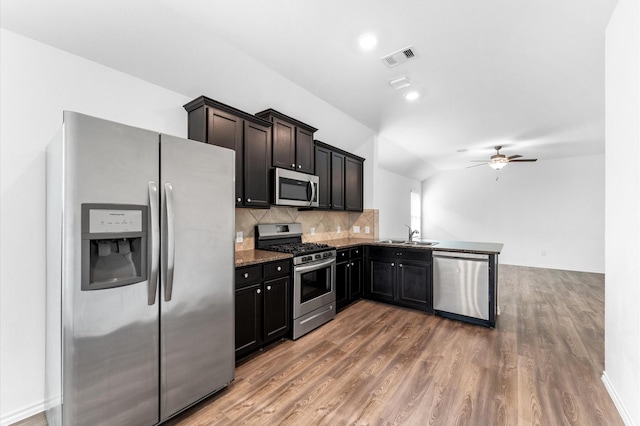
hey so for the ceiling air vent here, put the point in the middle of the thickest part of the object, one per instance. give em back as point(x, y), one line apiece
point(399, 57)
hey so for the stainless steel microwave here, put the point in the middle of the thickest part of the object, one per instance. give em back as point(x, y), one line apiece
point(295, 189)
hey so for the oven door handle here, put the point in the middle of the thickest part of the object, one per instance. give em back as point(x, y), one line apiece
point(314, 266)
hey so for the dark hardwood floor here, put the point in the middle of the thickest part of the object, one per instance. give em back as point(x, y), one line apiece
point(383, 365)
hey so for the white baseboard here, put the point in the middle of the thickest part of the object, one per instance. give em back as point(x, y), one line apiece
point(626, 418)
point(10, 418)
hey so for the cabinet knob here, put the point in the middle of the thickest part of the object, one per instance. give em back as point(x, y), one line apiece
point(279, 268)
point(299, 166)
point(239, 199)
point(357, 251)
point(393, 264)
point(246, 275)
point(268, 287)
point(258, 291)
point(293, 165)
point(347, 265)
point(400, 265)
point(353, 264)
point(248, 200)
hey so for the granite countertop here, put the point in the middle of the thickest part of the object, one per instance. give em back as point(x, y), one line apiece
point(348, 242)
point(253, 257)
point(459, 246)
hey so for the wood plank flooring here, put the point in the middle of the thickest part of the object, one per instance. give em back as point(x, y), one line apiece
point(382, 365)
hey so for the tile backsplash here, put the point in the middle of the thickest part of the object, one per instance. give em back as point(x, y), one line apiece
point(325, 223)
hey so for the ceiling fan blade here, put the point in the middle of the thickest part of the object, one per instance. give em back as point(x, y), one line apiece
point(524, 160)
point(513, 156)
point(478, 161)
point(476, 165)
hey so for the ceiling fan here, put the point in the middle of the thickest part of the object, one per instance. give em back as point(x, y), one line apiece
point(498, 161)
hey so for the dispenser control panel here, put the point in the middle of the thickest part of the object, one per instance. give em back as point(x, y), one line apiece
point(114, 221)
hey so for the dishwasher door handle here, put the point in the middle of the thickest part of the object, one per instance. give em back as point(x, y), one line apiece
point(461, 255)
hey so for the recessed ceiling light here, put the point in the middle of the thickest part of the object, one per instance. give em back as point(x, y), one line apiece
point(412, 96)
point(368, 41)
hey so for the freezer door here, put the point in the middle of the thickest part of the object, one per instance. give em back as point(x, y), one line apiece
point(197, 296)
point(110, 337)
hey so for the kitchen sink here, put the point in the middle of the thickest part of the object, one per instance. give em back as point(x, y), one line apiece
point(409, 243)
point(421, 243)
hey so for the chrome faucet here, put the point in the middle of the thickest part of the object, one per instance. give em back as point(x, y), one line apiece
point(412, 232)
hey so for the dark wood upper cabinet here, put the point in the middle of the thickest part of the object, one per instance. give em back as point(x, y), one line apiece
point(292, 142)
point(323, 171)
point(213, 122)
point(257, 159)
point(341, 178)
point(353, 188)
point(337, 181)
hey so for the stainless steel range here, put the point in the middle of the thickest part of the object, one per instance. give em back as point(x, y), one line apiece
point(314, 274)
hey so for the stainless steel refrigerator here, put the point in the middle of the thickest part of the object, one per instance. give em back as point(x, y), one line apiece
point(140, 273)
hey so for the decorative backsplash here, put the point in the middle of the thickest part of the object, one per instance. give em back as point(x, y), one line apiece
point(326, 223)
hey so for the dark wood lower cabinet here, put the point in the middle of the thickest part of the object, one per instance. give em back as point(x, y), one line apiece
point(263, 305)
point(276, 308)
point(248, 319)
point(348, 276)
point(399, 276)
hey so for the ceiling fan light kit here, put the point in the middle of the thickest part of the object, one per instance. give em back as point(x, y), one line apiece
point(498, 161)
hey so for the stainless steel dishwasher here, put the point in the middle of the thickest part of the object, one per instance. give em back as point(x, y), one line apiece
point(461, 284)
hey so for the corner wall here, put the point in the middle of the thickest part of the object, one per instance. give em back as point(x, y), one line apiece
point(622, 223)
point(37, 83)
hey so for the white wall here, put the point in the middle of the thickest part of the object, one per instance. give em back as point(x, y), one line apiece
point(622, 241)
point(548, 214)
point(37, 83)
point(392, 195)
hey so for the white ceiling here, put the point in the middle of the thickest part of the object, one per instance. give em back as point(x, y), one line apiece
point(528, 75)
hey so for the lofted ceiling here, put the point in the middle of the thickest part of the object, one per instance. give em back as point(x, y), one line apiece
point(527, 75)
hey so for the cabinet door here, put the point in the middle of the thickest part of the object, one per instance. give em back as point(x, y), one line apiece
point(248, 319)
point(257, 161)
point(342, 284)
point(224, 129)
point(353, 184)
point(276, 308)
point(337, 181)
point(414, 284)
point(381, 279)
point(355, 279)
point(304, 151)
point(323, 171)
point(284, 144)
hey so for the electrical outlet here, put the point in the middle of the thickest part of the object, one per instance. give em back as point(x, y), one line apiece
point(367, 230)
point(339, 229)
point(356, 229)
point(313, 231)
point(239, 237)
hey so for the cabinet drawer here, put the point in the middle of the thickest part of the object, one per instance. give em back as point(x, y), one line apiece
point(277, 269)
point(342, 255)
point(248, 275)
point(355, 252)
point(401, 253)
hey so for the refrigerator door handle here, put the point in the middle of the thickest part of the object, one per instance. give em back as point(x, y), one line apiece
point(171, 247)
point(155, 242)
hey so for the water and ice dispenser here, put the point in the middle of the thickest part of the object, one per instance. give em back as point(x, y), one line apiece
point(114, 245)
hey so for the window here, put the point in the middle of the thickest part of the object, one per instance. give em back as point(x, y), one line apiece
point(415, 211)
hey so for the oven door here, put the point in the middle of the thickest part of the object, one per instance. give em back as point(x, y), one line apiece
point(313, 286)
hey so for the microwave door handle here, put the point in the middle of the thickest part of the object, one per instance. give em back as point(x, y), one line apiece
point(313, 191)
